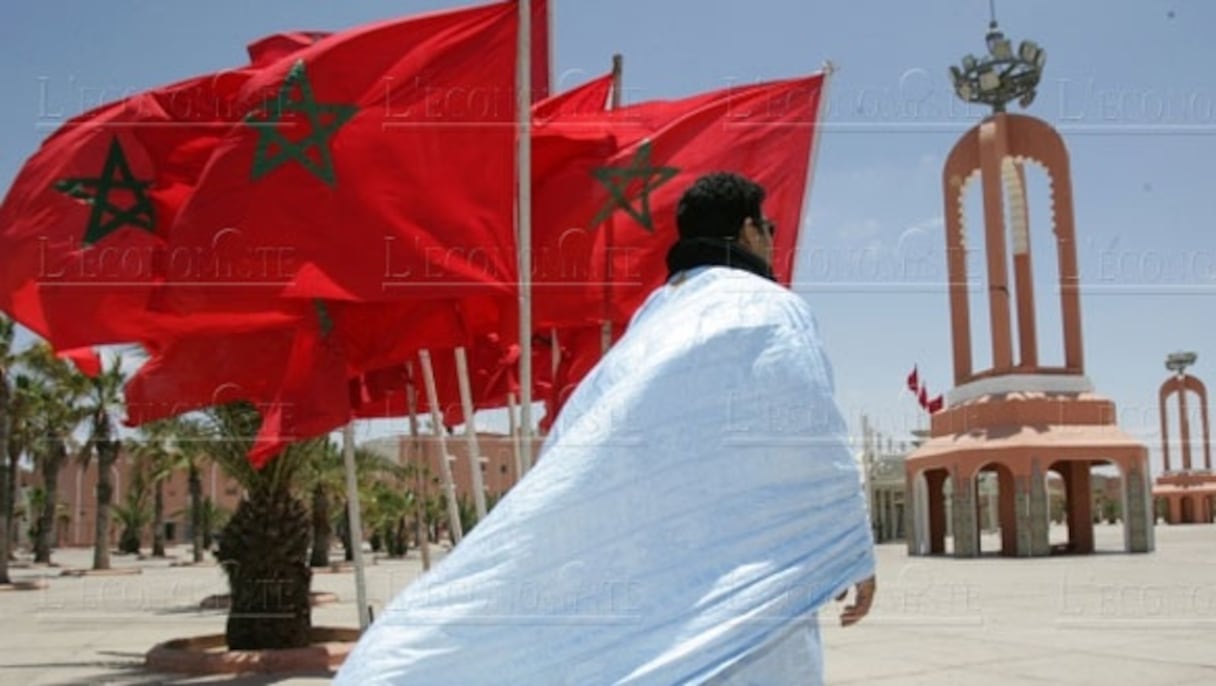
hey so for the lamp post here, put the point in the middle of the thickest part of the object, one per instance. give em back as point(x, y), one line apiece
point(1179, 361)
point(1001, 76)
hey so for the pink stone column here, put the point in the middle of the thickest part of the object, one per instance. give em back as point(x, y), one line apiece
point(993, 150)
point(1028, 338)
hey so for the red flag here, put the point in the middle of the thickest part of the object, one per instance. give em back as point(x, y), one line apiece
point(83, 228)
point(619, 209)
point(314, 396)
point(296, 377)
point(86, 360)
point(936, 404)
point(541, 42)
point(492, 376)
point(581, 349)
point(266, 50)
point(592, 96)
point(913, 380)
point(195, 372)
point(923, 397)
point(429, 97)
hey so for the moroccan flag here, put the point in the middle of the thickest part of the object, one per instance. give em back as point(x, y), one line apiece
point(581, 350)
point(198, 371)
point(195, 372)
point(541, 41)
point(913, 380)
point(84, 227)
point(380, 160)
point(268, 49)
point(936, 405)
point(592, 96)
point(569, 143)
point(313, 398)
point(923, 397)
point(492, 367)
point(295, 376)
point(611, 219)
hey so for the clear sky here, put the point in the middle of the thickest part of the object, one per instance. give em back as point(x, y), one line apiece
point(1129, 84)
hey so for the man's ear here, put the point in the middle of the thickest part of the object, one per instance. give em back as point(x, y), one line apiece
point(749, 235)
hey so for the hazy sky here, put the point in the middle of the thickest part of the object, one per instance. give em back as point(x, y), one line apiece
point(1128, 84)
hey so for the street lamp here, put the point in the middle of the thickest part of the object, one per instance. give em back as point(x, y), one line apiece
point(1179, 361)
point(1002, 75)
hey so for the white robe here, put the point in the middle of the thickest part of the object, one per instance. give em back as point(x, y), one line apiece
point(693, 507)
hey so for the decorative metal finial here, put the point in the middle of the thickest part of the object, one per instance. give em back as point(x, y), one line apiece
point(1179, 361)
point(1002, 75)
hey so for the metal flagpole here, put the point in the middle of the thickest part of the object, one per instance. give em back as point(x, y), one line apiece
point(524, 235)
point(421, 530)
point(445, 470)
point(828, 70)
point(606, 325)
point(470, 433)
point(356, 524)
point(513, 423)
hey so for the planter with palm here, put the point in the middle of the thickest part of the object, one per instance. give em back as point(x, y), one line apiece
point(264, 547)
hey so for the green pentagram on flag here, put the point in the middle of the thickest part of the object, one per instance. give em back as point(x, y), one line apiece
point(618, 180)
point(325, 321)
point(106, 216)
point(324, 119)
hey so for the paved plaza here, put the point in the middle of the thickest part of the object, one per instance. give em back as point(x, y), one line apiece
point(1105, 619)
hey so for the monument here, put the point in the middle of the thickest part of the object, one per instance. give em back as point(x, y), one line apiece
point(1019, 419)
point(1188, 494)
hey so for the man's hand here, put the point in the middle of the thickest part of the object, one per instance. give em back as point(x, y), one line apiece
point(864, 598)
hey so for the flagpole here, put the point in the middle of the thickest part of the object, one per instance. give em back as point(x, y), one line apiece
point(356, 524)
point(470, 433)
point(421, 530)
point(606, 325)
point(513, 427)
point(445, 470)
point(524, 204)
point(828, 70)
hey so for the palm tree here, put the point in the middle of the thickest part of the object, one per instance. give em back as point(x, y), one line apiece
point(53, 389)
point(153, 463)
point(214, 518)
point(133, 514)
point(324, 481)
point(322, 477)
point(388, 515)
point(264, 547)
point(104, 394)
point(19, 437)
point(189, 442)
point(7, 475)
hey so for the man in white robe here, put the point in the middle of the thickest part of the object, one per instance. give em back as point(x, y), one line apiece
point(694, 506)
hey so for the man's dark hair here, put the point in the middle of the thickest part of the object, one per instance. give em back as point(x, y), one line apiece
point(716, 205)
